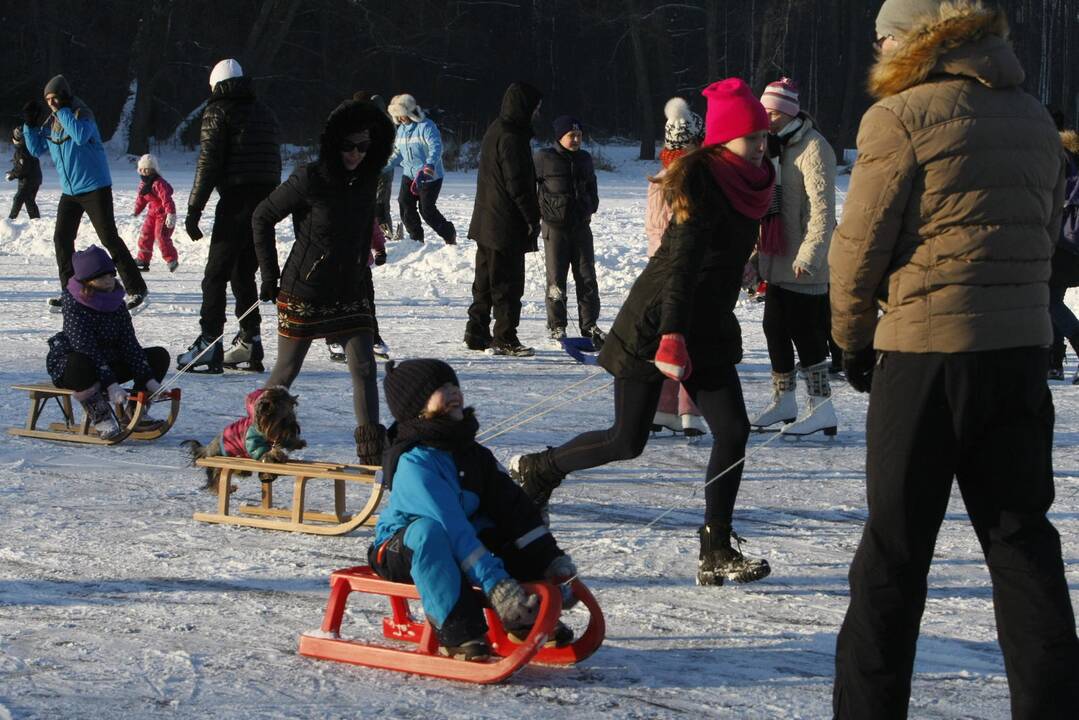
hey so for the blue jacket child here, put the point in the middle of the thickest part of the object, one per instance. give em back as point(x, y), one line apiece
point(455, 518)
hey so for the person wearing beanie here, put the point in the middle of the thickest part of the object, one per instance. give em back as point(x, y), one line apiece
point(792, 257)
point(505, 224)
point(97, 349)
point(456, 521)
point(683, 133)
point(324, 290)
point(155, 195)
point(26, 171)
point(568, 197)
point(939, 273)
point(240, 158)
point(678, 322)
point(417, 148)
point(65, 128)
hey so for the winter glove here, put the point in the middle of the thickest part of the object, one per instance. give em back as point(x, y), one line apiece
point(34, 113)
point(858, 366)
point(515, 608)
point(170, 221)
point(672, 357)
point(561, 572)
point(117, 395)
point(191, 224)
point(380, 257)
point(429, 170)
point(268, 290)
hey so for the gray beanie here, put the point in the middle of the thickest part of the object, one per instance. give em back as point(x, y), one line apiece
point(897, 17)
point(58, 86)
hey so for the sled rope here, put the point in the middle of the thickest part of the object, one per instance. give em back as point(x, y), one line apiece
point(489, 432)
point(168, 383)
point(551, 409)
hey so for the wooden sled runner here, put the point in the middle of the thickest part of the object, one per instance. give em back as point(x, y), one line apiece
point(326, 644)
point(71, 430)
point(295, 518)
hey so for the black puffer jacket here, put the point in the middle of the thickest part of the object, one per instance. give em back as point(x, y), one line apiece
point(568, 195)
point(25, 167)
point(332, 212)
point(506, 214)
point(239, 142)
point(690, 286)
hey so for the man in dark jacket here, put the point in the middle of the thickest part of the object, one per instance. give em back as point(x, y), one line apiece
point(26, 169)
point(505, 224)
point(568, 198)
point(240, 157)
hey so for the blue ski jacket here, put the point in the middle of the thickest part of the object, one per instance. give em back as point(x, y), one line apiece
point(417, 145)
point(74, 143)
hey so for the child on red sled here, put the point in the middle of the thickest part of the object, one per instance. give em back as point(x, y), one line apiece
point(455, 519)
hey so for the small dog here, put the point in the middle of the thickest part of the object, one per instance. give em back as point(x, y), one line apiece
point(268, 433)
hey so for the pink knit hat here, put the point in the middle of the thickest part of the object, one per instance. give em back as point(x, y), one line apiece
point(733, 111)
point(781, 96)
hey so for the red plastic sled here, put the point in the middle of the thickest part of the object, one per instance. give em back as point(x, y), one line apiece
point(424, 659)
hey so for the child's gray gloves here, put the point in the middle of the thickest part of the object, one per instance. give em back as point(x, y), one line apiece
point(515, 608)
point(560, 570)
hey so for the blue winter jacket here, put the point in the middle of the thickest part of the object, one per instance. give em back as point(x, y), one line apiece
point(417, 144)
point(425, 485)
point(74, 143)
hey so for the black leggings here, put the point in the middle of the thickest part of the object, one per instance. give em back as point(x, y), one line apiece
point(98, 205)
point(361, 366)
point(80, 373)
point(724, 409)
point(794, 317)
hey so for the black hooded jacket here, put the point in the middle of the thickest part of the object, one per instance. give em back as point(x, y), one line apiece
point(25, 167)
point(239, 143)
point(506, 214)
point(332, 212)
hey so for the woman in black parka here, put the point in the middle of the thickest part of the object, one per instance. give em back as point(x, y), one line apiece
point(321, 293)
point(679, 322)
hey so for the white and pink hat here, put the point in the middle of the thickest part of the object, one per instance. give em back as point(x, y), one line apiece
point(781, 96)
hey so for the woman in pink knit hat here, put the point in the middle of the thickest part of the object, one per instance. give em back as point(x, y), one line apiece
point(678, 322)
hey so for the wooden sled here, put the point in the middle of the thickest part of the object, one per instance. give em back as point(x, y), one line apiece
point(295, 518)
point(71, 430)
point(326, 644)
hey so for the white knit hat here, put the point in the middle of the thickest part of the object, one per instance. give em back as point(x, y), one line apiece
point(224, 70)
point(148, 161)
point(405, 106)
point(683, 125)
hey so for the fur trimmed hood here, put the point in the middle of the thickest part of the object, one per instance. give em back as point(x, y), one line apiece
point(352, 116)
point(1070, 140)
point(966, 39)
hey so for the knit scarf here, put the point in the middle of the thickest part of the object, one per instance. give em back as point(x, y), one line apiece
point(147, 184)
point(748, 187)
point(772, 240)
point(442, 432)
point(102, 302)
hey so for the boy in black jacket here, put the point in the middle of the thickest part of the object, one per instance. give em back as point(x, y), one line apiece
point(27, 170)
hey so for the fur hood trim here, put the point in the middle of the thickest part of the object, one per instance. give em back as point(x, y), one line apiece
point(966, 38)
point(1070, 140)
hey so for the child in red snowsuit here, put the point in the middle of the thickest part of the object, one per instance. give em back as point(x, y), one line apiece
point(155, 194)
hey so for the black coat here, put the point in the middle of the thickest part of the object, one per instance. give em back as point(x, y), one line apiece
point(506, 214)
point(239, 143)
point(25, 167)
point(690, 286)
point(568, 195)
point(332, 212)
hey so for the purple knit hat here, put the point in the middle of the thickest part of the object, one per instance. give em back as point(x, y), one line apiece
point(91, 263)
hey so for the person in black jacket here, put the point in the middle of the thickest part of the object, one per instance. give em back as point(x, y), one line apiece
point(26, 169)
point(323, 290)
point(505, 224)
point(240, 157)
point(568, 198)
point(679, 322)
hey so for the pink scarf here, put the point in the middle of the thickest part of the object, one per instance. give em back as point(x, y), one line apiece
point(748, 187)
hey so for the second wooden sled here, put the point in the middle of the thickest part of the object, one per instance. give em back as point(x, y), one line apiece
point(326, 644)
point(296, 517)
point(72, 430)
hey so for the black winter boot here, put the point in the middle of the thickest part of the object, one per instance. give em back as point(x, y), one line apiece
point(370, 442)
point(719, 561)
point(538, 477)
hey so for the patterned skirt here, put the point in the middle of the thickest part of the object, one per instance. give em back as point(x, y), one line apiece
point(307, 320)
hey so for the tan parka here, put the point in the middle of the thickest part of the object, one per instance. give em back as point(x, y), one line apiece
point(955, 200)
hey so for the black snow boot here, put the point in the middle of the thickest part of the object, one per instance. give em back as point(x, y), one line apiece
point(719, 561)
point(370, 442)
point(538, 476)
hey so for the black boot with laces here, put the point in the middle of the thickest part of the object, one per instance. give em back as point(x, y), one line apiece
point(719, 561)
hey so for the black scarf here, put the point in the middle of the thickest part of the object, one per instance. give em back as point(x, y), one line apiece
point(442, 432)
point(147, 184)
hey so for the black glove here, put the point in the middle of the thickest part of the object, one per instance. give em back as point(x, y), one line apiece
point(191, 224)
point(380, 257)
point(533, 237)
point(268, 290)
point(858, 365)
point(34, 113)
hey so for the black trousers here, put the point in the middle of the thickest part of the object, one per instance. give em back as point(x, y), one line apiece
point(98, 205)
point(719, 397)
point(565, 249)
point(232, 261)
point(986, 419)
point(792, 320)
point(498, 287)
point(25, 195)
point(382, 200)
point(80, 373)
point(427, 209)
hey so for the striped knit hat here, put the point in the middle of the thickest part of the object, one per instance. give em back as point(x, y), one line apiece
point(781, 96)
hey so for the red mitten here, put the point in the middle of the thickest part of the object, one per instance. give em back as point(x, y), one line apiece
point(672, 358)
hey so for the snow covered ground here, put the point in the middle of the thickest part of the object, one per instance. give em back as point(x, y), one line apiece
point(114, 603)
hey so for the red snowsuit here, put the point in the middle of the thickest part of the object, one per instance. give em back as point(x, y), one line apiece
point(158, 202)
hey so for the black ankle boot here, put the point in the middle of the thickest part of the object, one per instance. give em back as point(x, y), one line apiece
point(718, 561)
point(537, 475)
point(370, 442)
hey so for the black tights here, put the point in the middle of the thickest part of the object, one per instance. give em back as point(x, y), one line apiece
point(792, 320)
point(723, 407)
point(361, 366)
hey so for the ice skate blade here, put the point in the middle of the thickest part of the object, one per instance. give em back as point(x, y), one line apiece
point(830, 431)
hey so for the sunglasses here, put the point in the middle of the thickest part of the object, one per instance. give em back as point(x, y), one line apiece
point(361, 146)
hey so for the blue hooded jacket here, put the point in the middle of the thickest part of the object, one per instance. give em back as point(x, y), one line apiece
point(416, 145)
point(74, 143)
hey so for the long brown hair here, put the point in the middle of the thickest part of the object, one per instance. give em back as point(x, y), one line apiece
point(686, 180)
